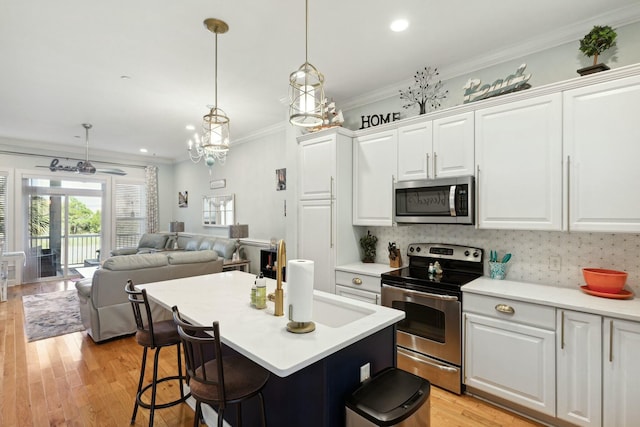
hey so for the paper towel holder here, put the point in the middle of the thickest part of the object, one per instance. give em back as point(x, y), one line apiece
point(299, 327)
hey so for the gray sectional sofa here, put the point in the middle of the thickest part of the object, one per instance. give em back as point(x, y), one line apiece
point(159, 242)
point(104, 308)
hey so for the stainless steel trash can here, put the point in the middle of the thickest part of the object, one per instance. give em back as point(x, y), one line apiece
point(393, 397)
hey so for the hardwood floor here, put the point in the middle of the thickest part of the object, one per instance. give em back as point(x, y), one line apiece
point(71, 381)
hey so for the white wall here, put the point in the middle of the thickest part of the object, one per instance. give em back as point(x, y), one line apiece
point(552, 65)
point(250, 174)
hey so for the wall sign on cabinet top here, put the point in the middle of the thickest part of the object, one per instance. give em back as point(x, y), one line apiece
point(512, 83)
point(378, 119)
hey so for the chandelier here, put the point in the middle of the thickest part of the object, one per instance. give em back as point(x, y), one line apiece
point(306, 86)
point(213, 145)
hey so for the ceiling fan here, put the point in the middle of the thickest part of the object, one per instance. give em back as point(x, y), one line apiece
point(83, 167)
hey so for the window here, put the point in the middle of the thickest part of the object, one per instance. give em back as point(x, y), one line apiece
point(131, 213)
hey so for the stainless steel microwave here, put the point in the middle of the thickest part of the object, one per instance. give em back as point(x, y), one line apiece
point(435, 201)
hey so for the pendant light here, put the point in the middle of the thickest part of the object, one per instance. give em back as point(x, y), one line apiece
point(306, 86)
point(213, 145)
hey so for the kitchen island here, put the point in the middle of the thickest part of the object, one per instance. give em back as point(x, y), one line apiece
point(311, 373)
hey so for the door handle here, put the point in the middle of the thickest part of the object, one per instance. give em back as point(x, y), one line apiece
point(504, 308)
point(435, 170)
point(452, 200)
point(611, 341)
point(427, 165)
point(331, 214)
point(562, 330)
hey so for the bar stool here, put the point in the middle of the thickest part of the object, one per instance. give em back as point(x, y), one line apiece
point(155, 336)
point(222, 380)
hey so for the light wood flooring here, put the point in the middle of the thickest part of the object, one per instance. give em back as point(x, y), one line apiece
point(71, 381)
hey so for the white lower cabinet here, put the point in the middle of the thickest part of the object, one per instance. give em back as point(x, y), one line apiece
point(362, 287)
point(579, 362)
point(598, 370)
point(584, 371)
point(510, 351)
point(621, 373)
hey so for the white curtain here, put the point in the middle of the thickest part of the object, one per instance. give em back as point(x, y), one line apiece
point(151, 182)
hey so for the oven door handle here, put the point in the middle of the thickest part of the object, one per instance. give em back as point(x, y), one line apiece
point(424, 294)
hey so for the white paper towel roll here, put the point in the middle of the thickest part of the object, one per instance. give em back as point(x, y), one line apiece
point(300, 290)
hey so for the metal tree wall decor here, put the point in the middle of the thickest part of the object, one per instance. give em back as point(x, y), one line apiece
point(424, 92)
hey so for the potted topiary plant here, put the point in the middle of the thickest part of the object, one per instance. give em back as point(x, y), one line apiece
point(368, 244)
point(599, 39)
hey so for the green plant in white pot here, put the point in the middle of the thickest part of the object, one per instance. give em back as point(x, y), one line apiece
point(368, 244)
point(599, 39)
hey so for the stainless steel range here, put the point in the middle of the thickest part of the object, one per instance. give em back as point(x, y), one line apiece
point(428, 291)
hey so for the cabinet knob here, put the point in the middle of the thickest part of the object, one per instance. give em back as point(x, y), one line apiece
point(504, 308)
point(356, 281)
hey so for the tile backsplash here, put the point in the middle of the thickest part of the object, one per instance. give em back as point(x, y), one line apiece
point(530, 250)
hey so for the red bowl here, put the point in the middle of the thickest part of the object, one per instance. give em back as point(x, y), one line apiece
point(602, 280)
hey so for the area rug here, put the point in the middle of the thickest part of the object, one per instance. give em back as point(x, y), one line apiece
point(51, 314)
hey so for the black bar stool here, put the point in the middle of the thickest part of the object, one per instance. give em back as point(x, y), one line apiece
point(155, 336)
point(222, 380)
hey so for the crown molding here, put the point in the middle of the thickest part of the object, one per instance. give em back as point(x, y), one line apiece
point(73, 152)
point(616, 18)
point(261, 133)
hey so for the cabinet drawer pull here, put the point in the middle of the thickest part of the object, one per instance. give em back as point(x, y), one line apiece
point(356, 281)
point(504, 308)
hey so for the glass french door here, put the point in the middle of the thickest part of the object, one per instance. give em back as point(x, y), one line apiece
point(63, 226)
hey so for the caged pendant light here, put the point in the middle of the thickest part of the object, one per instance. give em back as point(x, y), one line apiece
point(213, 146)
point(306, 86)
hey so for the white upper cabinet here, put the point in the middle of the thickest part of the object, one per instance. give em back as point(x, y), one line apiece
point(519, 164)
point(602, 147)
point(453, 144)
point(374, 171)
point(440, 148)
point(415, 151)
point(317, 167)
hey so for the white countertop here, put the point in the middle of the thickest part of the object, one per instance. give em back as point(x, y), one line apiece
point(258, 334)
point(370, 269)
point(567, 298)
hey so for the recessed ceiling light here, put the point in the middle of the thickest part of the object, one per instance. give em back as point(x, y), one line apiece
point(143, 150)
point(399, 25)
point(125, 77)
point(190, 127)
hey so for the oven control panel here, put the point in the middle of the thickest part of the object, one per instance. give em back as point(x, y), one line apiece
point(444, 251)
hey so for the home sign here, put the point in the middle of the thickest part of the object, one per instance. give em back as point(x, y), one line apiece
point(378, 119)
